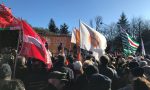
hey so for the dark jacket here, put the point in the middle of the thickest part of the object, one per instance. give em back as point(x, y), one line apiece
point(109, 72)
point(93, 82)
point(68, 71)
point(99, 82)
point(49, 87)
point(11, 85)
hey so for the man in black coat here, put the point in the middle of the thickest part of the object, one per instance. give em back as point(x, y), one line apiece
point(93, 80)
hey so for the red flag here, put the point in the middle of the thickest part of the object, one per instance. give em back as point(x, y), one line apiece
point(33, 46)
point(6, 17)
point(47, 52)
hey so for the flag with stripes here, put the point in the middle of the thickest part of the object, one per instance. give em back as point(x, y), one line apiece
point(33, 46)
point(130, 46)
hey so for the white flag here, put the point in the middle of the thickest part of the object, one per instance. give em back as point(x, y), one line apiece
point(142, 46)
point(75, 38)
point(92, 40)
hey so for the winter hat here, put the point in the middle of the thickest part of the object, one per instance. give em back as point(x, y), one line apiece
point(130, 57)
point(77, 65)
point(133, 65)
point(58, 75)
point(5, 71)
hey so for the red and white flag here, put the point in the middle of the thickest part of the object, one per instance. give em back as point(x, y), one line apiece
point(33, 46)
point(75, 38)
point(92, 40)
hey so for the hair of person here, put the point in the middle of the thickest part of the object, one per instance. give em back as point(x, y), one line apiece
point(91, 69)
point(104, 60)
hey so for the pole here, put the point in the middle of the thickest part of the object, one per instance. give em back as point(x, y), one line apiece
point(17, 53)
point(78, 44)
point(140, 47)
point(15, 62)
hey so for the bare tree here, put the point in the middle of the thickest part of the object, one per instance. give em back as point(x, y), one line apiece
point(136, 27)
point(98, 21)
point(110, 31)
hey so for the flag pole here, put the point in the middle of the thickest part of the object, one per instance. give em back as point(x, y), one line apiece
point(15, 62)
point(78, 45)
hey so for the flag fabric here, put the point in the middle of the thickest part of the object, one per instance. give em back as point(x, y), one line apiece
point(91, 40)
point(143, 49)
point(33, 45)
point(6, 16)
point(48, 53)
point(130, 46)
point(75, 38)
point(7, 19)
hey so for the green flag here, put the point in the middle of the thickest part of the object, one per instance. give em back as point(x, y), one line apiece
point(129, 44)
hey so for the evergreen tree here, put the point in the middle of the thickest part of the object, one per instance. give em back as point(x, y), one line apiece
point(64, 29)
point(123, 22)
point(52, 27)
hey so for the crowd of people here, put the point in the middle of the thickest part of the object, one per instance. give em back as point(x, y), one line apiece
point(68, 73)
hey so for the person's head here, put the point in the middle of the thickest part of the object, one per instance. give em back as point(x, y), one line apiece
point(121, 61)
point(87, 63)
point(91, 69)
point(112, 60)
point(21, 61)
point(89, 57)
point(104, 60)
point(5, 71)
point(60, 60)
point(77, 65)
point(99, 82)
point(133, 65)
point(130, 58)
point(57, 79)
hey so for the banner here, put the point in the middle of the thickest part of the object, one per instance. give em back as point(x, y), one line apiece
point(92, 40)
point(33, 45)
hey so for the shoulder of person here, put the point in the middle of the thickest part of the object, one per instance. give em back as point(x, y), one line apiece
point(18, 83)
point(11, 85)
